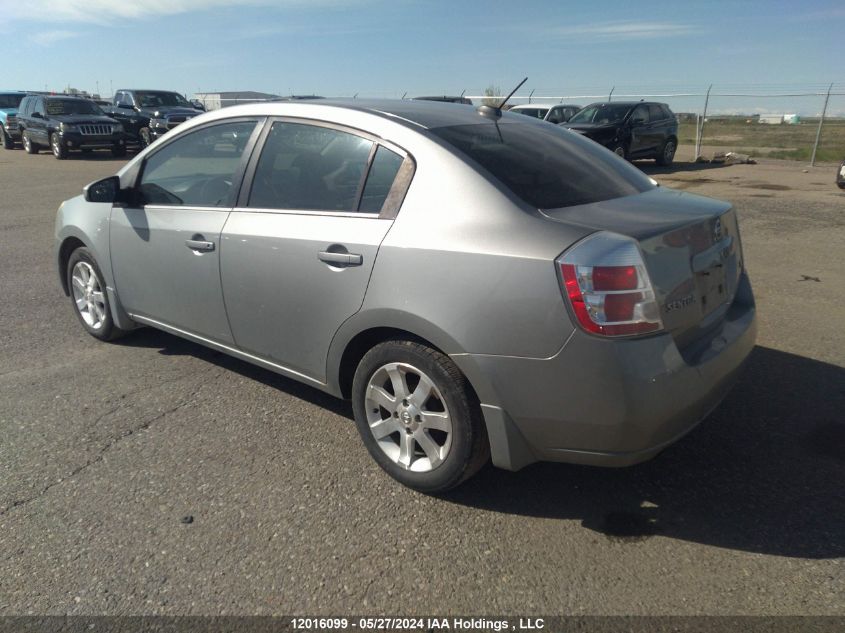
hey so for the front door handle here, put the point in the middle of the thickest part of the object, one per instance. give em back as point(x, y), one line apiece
point(342, 259)
point(199, 245)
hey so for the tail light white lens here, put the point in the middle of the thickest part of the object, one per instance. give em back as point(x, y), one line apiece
point(608, 287)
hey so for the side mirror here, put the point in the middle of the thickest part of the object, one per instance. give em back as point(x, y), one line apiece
point(105, 190)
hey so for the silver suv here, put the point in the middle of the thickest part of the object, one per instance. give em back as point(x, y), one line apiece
point(479, 283)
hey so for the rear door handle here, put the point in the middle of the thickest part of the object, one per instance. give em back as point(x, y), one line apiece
point(199, 245)
point(343, 259)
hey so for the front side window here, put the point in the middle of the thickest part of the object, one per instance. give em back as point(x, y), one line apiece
point(655, 112)
point(547, 167)
point(602, 113)
point(557, 115)
point(198, 168)
point(309, 167)
point(640, 115)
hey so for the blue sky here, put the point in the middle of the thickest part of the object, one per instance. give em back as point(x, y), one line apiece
point(387, 47)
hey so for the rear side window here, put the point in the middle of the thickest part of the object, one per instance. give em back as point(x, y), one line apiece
point(310, 167)
point(383, 172)
point(655, 112)
point(546, 167)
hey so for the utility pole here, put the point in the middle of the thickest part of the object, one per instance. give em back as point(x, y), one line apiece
point(821, 122)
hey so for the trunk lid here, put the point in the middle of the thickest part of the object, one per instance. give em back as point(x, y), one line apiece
point(691, 249)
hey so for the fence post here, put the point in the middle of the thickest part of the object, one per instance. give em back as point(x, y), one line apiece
point(701, 128)
point(821, 122)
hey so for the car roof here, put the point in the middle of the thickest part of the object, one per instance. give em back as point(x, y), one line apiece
point(522, 106)
point(427, 114)
point(629, 104)
point(12, 92)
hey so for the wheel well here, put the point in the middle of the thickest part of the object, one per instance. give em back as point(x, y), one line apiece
point(67, 247)
point(362, 343)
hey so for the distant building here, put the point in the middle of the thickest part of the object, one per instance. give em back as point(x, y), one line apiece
point(777, 119)
point(217, 100)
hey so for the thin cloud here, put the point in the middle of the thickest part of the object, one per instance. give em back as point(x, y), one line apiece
point(625, 30)
point(105, 11)
point(46, 38)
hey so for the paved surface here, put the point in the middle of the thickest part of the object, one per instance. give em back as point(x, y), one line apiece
point(104, 448)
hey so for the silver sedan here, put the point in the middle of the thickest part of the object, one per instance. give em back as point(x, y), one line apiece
point(481, 285)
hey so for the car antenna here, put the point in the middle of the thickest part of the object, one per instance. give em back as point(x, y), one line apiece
point(495, 112)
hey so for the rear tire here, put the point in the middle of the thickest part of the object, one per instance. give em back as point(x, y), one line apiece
point(667, 153)
point(89, 297)
point(57, 147)
point(28, 145)
point(417, 416)
point(7, 141)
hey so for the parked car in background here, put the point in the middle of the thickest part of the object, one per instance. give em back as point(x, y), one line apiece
point(150, 114)
point(553, 113)
point(840, 175)
point(478, 283)
point(638, 129)
point(445, 99)
point(9, 132)
point(65, 124)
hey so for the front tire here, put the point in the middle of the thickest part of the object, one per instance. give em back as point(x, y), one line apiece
point(89, 297)
point(667, 153)
point(7, 141)
point(417, 416)
point(57, 147)
point(28, 146)
point(144, 137)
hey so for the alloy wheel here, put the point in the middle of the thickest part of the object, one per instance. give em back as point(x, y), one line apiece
point(408, 417)
point(88, 295)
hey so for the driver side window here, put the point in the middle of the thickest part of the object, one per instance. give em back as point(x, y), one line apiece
point(197, 169)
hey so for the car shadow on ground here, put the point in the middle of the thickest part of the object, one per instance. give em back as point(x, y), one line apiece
point(170, 345)
point(764, 473)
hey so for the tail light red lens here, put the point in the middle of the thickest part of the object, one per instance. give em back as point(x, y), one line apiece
point(615, 278)
point(607, 285)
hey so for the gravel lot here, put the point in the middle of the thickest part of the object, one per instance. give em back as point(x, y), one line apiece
point(104, 448)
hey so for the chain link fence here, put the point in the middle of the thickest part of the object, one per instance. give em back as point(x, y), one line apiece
point(803, 122)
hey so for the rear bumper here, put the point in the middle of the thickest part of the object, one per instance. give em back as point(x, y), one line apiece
point(607, 402)
point(13, 131)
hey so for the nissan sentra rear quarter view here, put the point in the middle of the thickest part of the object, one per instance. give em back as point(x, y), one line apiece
point(482, 285)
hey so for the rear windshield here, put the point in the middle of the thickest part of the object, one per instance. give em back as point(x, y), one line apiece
point(156, 99)
point(545, 166)
point(71, 106)
point(10, 101)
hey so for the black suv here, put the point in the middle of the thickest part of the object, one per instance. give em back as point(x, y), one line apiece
point(150, 114)
point(638, 129)
point(65, 123)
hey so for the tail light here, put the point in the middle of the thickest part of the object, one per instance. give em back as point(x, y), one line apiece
point(608, 288)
